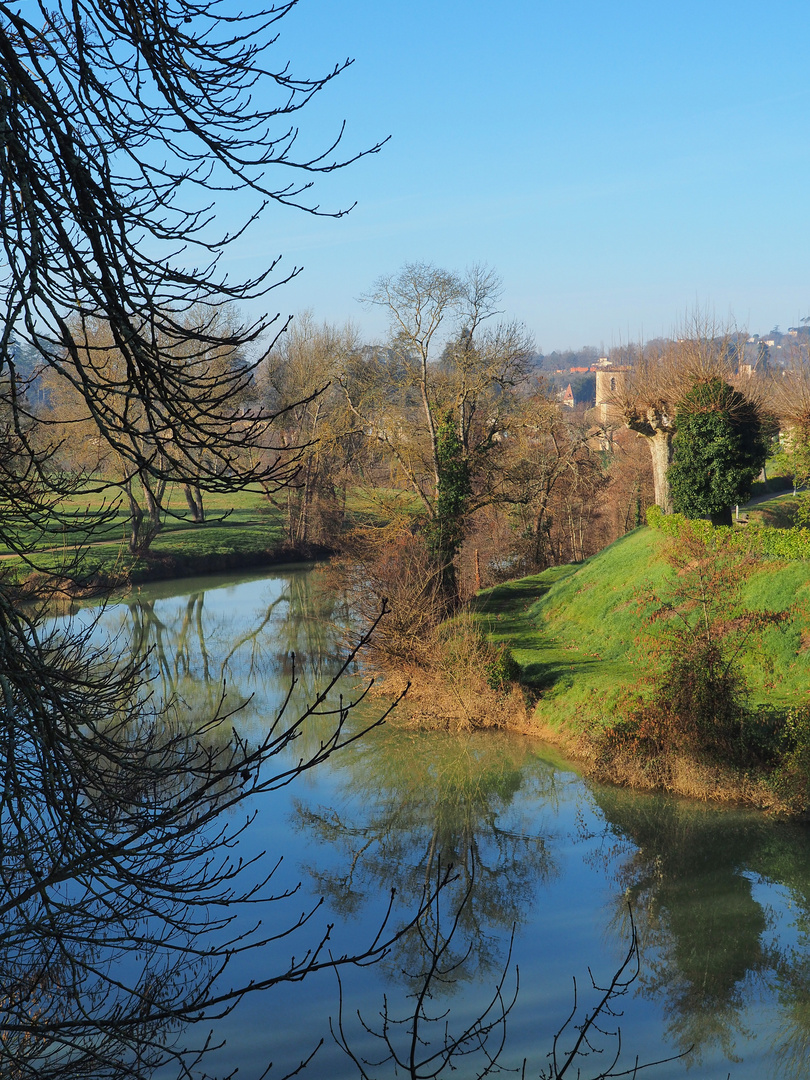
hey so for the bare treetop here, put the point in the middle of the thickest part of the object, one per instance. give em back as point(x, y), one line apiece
point(121, 123)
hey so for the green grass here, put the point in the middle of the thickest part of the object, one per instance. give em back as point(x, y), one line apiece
point(778, 482)
point(779, 512)
point(91, 519)
point(239, 523)
point(578, 632)
point(379, 506)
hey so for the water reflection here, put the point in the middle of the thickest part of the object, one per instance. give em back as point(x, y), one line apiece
point(715, 938)
point(245, 642)
point(721, 899)
point(414, 801)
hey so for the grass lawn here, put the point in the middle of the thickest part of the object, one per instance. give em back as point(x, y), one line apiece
point(238, 523)
point(241, 524)
point(578, 631)
point(779, 513)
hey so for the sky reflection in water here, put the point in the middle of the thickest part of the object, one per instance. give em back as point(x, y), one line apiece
point(721, 899)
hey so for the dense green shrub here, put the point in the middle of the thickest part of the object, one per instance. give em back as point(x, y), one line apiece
point(792, 778)
point(501, 670)
point(463, 648)
point(697, 628)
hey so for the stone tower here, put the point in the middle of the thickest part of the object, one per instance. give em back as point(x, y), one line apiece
point(610, 385)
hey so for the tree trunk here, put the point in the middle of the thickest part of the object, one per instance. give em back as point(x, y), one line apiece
point(135, 521)
point(722, 517)
point(144, 525)
point(655, 424)
point(153, 500)
point(661, 449)
point(194, 499)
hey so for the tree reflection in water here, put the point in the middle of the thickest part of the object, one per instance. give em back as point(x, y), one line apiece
point(198, 647)
point(709, 947)
point(122, 901)
point(405, 802)
point(421, 799)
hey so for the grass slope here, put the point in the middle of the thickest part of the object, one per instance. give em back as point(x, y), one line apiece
point(579, 636)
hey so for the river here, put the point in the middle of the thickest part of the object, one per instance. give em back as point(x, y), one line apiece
point(550, 862)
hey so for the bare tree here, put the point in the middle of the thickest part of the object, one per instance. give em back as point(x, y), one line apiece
point(439, 396)
point(299, 377)
point(422, 1044)
point(118, 892)
point(120, 123)
point(119, 126)
point(789, 398)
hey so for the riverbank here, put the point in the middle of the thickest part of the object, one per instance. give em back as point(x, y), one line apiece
point(590, 657)
point(242, 531)
point(85, 548)
point(122, 571)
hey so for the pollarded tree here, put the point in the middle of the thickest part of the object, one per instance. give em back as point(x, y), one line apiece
point(790, 399)
point(653, 378)
point(720, 449)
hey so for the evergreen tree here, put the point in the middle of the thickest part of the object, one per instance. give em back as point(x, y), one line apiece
point(719, 450)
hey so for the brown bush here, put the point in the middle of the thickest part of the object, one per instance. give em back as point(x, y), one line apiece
point(458, 678)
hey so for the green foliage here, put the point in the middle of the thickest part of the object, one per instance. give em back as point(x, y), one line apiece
point(445, 531)
point(672, 525)
point(465, 648)
point(803, 510)
point(792, 778)
point(795, 453)
point(699, 623)
point(760, 541)
point(719, 449)
point(454, 489)
point(501, 669)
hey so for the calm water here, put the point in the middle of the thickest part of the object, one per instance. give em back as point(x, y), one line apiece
point(720, 899)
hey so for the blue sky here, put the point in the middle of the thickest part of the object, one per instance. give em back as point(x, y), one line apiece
point(618, 164)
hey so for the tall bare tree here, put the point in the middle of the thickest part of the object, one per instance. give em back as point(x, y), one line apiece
point(439, 395)
point(120, 124)
point(299, 378)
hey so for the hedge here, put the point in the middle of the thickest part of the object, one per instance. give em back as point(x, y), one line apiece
point(760, 540)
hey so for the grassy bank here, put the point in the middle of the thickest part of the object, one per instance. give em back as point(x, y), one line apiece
point(580, 637)
point(242, 530)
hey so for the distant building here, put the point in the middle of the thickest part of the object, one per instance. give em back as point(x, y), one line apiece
point(566, 397)
point(611, 383)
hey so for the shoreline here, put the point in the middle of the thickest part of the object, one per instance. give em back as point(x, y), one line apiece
point(673, 773)
point(682, 776)
point(166, 566)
